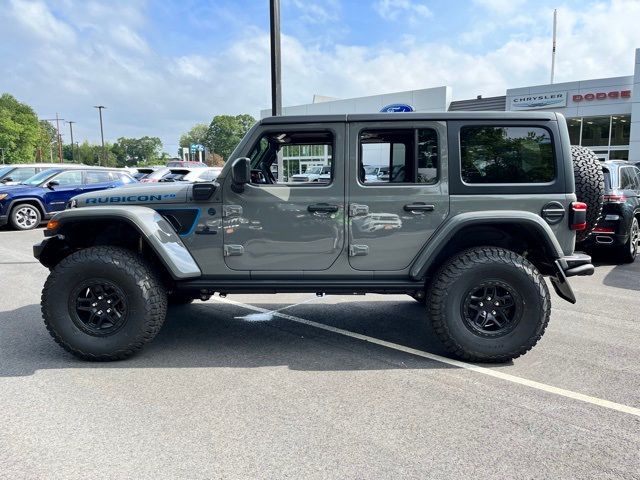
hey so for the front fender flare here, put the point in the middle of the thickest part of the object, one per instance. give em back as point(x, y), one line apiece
point(159, 234)
point(455, 224)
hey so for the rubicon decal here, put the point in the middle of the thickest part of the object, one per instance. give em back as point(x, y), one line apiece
point(129, 199)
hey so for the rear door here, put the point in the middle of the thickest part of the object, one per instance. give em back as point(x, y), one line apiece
point(392, 216)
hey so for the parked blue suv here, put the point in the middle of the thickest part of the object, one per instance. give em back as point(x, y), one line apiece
point(38, 198)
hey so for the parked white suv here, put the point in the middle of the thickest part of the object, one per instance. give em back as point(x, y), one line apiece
point(313, 174)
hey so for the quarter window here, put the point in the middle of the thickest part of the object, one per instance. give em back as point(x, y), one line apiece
point(506, 155)
point(398, 156)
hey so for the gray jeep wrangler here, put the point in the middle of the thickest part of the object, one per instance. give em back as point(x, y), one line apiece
point(474, 211)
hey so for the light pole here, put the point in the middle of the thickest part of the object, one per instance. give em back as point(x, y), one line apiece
point(100, 107)
point(73, 157)
point(276, 85)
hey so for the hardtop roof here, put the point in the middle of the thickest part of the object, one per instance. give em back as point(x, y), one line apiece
point(410, 116)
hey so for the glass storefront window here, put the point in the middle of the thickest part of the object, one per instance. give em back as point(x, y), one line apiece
point(620, 129)
point(595, 131)
point(574, 125)
point(619, 155)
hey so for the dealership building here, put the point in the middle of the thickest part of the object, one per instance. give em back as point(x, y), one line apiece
point(603, 114)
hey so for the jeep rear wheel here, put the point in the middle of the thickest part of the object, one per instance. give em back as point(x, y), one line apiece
point(25, 217)
point(589, 181)
point(103, 303)
point(488, 304)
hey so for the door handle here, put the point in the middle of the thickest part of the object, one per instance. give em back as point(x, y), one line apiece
point(322, 208)
point(419, 207)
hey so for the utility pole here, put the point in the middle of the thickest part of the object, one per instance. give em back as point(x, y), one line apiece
point(2, 155)
point(59, 139)
point(276, 85)
point(73, 157)
point(100, 107)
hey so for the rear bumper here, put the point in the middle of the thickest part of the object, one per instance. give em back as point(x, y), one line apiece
point(578, 264)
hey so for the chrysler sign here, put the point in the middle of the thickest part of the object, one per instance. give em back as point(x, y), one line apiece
point(535, 101)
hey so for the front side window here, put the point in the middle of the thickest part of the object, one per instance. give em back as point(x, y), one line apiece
point(398, 156)
point(70, 178)
point(506, 155)
point(297, 150)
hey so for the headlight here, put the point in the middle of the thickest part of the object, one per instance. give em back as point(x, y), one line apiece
point(3, 196)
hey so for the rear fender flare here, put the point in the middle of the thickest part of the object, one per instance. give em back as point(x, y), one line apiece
point(455, 224)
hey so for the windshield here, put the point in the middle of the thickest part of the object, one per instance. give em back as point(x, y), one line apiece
point(38, 178)
point(4, 171)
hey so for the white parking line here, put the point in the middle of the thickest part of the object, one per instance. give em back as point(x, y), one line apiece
point(449, 361)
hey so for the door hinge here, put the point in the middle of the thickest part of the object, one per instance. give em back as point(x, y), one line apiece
point(358, 250)
point(231, 210)
point(356, 210)
point(233, 250)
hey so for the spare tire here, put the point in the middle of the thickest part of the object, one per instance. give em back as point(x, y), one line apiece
point(589, 186)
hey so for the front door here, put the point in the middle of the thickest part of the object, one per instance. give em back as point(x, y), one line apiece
point(393, 213)
point(69, 185)
point(287, 226)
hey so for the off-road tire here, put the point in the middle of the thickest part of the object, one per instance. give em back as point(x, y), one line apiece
point(458, 276)
point(589, 180)
point(19, 222)
point(177, 298)
point(145, 296)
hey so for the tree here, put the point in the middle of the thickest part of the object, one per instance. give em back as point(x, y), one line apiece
point(47, 142)
point(225, 132)
point(137, 151)
point(197, 134)
point(19, 130)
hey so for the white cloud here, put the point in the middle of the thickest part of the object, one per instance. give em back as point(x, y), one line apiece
point(316, 11)
point(152, 94)
point(401, 9)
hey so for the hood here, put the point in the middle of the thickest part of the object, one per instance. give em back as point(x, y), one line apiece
point(20, 189)
point(136, 194)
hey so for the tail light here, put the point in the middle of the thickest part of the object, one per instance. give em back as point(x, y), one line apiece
point(578, 217)
point(615, 198)
point(603, 230)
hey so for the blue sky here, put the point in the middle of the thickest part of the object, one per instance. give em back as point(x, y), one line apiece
point(162, 66)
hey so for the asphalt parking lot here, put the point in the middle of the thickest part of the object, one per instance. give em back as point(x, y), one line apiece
point(295, 386)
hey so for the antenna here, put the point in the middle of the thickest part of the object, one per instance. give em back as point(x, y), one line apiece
point(553, 50)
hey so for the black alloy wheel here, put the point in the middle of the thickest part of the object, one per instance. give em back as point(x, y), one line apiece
point(98, 307)
point(491, 309)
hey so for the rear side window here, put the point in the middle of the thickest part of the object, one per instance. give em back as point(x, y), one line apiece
point(492, 154)
point(91, 177)
point(398, 156)
point(20, 174)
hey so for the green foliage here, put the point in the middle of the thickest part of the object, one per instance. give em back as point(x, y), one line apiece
point(225, 132)
point(197, 134)
point(19, 130)
point(137, 151)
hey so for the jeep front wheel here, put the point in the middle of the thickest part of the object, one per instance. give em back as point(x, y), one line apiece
point(489, 304)
point(103, 303)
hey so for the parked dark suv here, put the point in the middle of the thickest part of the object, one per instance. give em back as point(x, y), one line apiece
point(617, 230)
point(25, 205)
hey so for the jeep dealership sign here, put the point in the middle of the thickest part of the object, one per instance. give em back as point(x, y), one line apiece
point(535, 101)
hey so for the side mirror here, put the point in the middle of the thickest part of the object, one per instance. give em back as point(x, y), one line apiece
point(52, 183)
point(7, 179)
point(240, 173)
